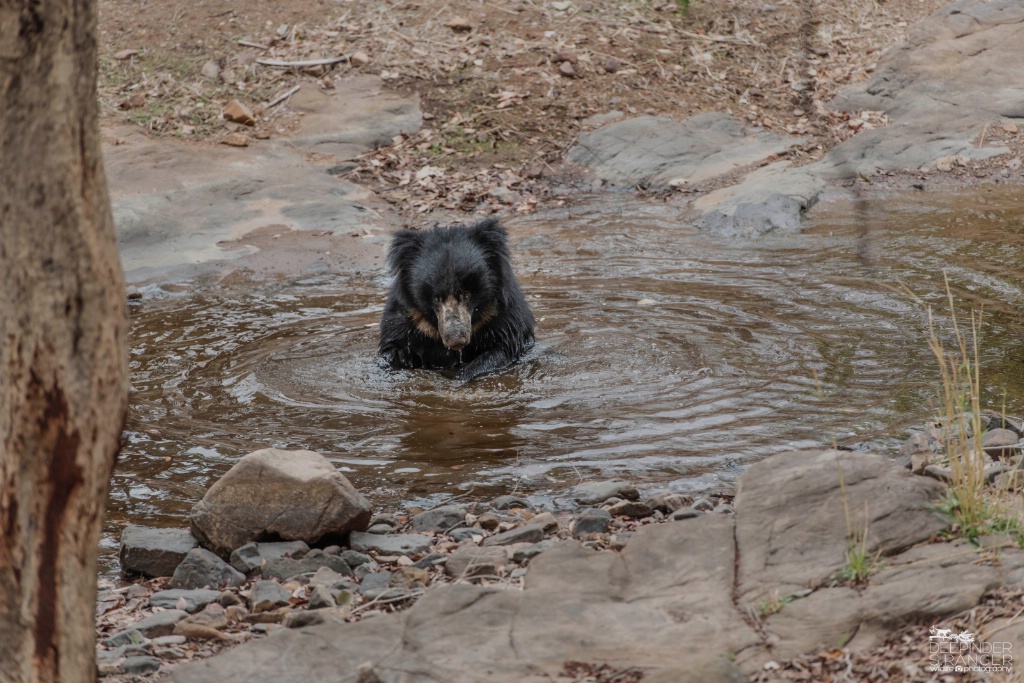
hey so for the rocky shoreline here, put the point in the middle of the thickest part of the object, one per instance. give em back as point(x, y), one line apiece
point(754, 581)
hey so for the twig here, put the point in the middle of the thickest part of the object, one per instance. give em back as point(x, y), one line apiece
point(303, 64)
point(249, 43)
point(281, 98)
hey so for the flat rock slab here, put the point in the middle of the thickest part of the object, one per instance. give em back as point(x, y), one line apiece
point(181, 209)
point(666, 588)
point(154, 552)
point(686, 585)
point(657, 152)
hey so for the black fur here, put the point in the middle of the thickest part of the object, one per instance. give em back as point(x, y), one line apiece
point(445, 277)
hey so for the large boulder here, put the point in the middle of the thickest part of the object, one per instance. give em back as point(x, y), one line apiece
point(278, 494)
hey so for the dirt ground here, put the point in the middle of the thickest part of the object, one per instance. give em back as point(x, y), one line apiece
point(505, 87)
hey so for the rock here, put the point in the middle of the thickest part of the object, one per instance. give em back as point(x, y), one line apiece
point(527, 553)
point(431, 560)
point(592, 521)
point(535, 531)
point(488, 521)
point(154, 552)
point(669, 502)
point(268, 595)
point(202, 569)
point(374, 581)
point(685, 513)
point(239, 113)
point(140, 664)
point(567, 69)
point(130, 636)
point(565, 56)
point(1009, 127)
point(1001, 443)
point(390, 544)
point(651, 151)
point(792, 522)
point(508, 502)
point(594, 492)
point(410, 578)
point(354, 559)
point(294, 495)
point(285, 567)
point(703, 505)
point(459, 24)
point(631, 508)
point(234, 140)
point(469, 561)
point(440, 519)
point(465, 533)
point(359, 59)
point(251, 556)
point(380, 529)
point(228, 599)
point(210, 70)
point(504, 195)
point(321, 597)
point(159, 623)
point(188, 600)
point(325, 576)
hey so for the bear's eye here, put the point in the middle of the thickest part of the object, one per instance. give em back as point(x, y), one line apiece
point(465, 296)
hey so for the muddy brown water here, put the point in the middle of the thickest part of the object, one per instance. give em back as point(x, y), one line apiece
point(665, 356)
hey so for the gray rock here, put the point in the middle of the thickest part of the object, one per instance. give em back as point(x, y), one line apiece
point(594, 492)
point(321, 597)
point(303, 618)
point(374, 581)
point(658, 152)
point(154, 552)
point(507, 502)
point(469, 560)
point(592, 521)
point(268, 595)
point(525, 554)
point(464, 533)
point(537, 530)
point(141, 664)
point(354, 559)
point(631, 508)
point(792, 524)
point(250, 557)
point(439, 519)
point(703, 505)
point(685, 513)
point(228, 599)
point(390, 544)
point(285, 567)
point(294, 495)
point(431, 560)
point(203, 569)
point(384, 518)
point(489, 521)
point(669, 502)
point(131, 636)
point(380, 529)
point(325, 576)
point(193, 600)
point(159, 623)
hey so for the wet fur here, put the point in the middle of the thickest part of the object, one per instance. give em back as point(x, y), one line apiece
point(470, 264)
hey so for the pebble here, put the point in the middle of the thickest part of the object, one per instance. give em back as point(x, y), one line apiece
point(359, 59)
point(131, 636)
point(459, 24)
point(188, 600)
point(464, 533)
point(284, 568)
point(250, 557)
point(527, 553)
point(375, 580)
point(685, 513)
point(210, 70)
point(321, 597)
point(379, 529)
point(594, 492)
point(390, 544)
point(235, 140)
point(354, 559)
point(159, 623)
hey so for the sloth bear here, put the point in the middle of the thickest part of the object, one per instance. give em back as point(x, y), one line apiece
point(455, 304)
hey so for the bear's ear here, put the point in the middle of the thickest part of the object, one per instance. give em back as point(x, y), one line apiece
point(491, 237)
point(405, 247)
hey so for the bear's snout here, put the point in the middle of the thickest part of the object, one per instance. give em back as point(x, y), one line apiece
point(454, 322)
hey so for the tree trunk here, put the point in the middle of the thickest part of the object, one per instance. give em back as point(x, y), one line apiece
point(63, 359)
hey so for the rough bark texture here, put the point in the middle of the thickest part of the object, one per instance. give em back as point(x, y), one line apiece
point(63, 370)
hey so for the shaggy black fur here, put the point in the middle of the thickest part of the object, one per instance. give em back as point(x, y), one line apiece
point(455, 304)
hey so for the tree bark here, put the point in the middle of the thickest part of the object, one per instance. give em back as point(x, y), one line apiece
point(63, 358)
